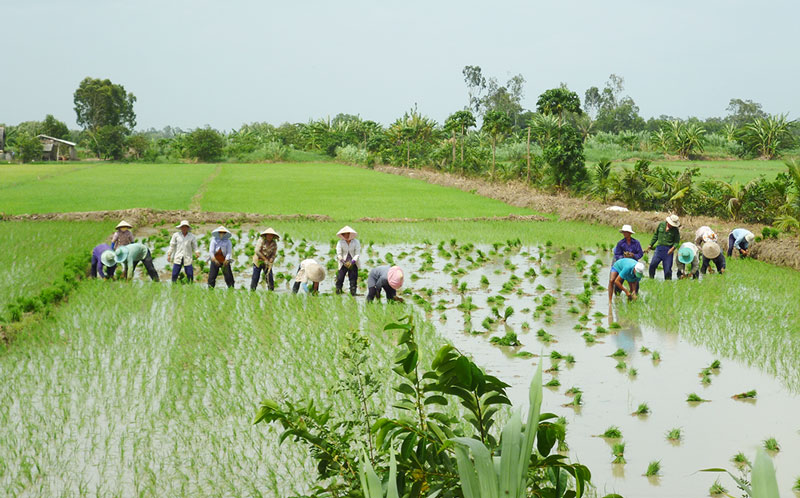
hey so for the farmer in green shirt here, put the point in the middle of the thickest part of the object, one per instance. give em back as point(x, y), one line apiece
point(131, 255)
point(665, 241)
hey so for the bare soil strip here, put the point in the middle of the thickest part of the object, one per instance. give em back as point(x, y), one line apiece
point(784, 251)
point(147, 216)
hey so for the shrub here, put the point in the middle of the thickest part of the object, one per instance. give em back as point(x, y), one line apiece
point(204, 144)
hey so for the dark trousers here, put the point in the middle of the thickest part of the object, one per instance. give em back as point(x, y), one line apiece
point(97, 269)
point(176, 271)
point(257, 276)
point(719, 262)
point(148, 265)
point(731, 242)
point(374, 292)
point(213, 271)
point(352, 274)
point(661, 255)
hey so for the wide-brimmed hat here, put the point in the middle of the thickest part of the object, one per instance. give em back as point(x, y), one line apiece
point(312, 271)
point(221, 229)
point(121, 254)
point(184, 223)
point(673, 220)
point(395, 277)
point(346, 229)
point(270, 231)
point(626, 228)
point(711, 250)
point(749, 238)
point(638, 270)
point(685, 255)
point(108, 258)
point(123, 224)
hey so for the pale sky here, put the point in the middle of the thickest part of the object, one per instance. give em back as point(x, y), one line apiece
point(228, 62)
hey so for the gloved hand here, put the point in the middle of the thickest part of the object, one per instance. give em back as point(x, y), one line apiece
point(628, 254)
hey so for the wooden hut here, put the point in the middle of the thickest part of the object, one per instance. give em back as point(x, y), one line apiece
point(52, 149)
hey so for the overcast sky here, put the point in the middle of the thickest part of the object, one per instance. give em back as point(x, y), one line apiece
point(228, 62)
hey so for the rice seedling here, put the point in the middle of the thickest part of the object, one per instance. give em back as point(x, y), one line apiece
point(656, 356)
point(573, 310)
point(577, 401)
point(554, 368)
point(674, 435)
point(621, 365)
point(633, 373)
point(619, 353)
point(653, 468)
point(573, 391)
point(771, 444)
point(589, 338)
point(524, 354)
point(695, 398)
point(612, 432)
point(569, 359)
point(525, 326)
point(555, 355)
point(796, 486)
point(553, 383)
point(715, 365)
point(752, 394)
point(615, 325)
point(544, 336)
point(705, 380)
point(644, 350)
point(484, 281)
point(601, 330)
point(618, 451)
point(509, 339)
point(741, 460)
point(642, 410)
point(717, 489)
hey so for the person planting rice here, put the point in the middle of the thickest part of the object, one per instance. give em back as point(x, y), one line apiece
point(122, 236)
point(264, 257)
point(665, 241)
point(347, 251)
point(309, 271)
point(628, 247)
point(625, 270)
point(387, 279)
point(704, 234)
point(688, 254)
point(712, 252)
point(182, 247)
point(740, 239)
point(98, 262)
point(220, 255)
point(133, 254)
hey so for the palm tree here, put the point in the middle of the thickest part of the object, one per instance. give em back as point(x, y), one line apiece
point(498, 125)
point(734, 196)
point(766, 137)
point(790, 220)
point(601, 187)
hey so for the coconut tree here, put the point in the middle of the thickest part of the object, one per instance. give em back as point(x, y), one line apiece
point(602, 180)
point(498, 125)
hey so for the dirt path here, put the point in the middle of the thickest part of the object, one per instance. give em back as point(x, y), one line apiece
point(194, 204)
point(784, 251)
point(146, 216)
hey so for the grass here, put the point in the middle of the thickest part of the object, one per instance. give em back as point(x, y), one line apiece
point(653, 469)
point(757, 327)
point(159, 403)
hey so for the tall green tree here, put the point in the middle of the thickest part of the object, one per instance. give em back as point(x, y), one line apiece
point(557, 102)
point(498, 125)
point(613, 111)
point(101, 103)
point(204, 144)
point(741, 112)
point(460, 121)
point(54, 128)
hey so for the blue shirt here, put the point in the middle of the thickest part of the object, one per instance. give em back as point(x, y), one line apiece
point(739, 238)
point(625, 269)
point(622, 247)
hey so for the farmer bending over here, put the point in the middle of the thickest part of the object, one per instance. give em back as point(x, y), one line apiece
point(182, 247)
point(688, 254)
point(347, 251)
point(220, 255)
point(264, 257)
point(625, 270)
point(704, 234)
point(309, 271)
point(387, 279)
point(665, 241)
point(740, 239)
point(131, 255)
point(712, 252)
point(98, 262)
point(122, 236)
point(628, 247)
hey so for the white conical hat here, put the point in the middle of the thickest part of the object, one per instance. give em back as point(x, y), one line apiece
point(271, 231)
point(124, 224)
point(346, 229)
point(184, 223)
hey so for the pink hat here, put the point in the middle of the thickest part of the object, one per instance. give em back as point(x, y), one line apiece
point(395, 277)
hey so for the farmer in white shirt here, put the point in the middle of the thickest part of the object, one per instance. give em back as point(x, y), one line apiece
point(347, 252)
point(182, 247)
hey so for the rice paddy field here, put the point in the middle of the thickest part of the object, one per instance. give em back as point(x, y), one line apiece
point(149, 389)
point(734, 170)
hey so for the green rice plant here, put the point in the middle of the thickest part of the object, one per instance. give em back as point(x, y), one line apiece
point(555, 355)
point(615, 325)
point(740, 460)
point(612, 432)
point(484, 281)
point(653, 469)
point(507, 313)
point(644, 350)
point(715, 365)
point(633, 373)
point(569, 359)
point(618, 451)
point(541, 288)
point(601, 330)
point(705, 380)
point(619, 353)
point(553, 383)
point(573, 310)
point(642, 410)
point(752, 394)
point(524, 354)
point(656, 356)
point(573, 391)
point(554, 368)
point(509, 339)
point(488, 323)
point(695, 398)
point(525, 326)
point(544, 336)
point(589, 338)
point(621, 365)
point(771, 444)
point(674, 434)
point(717, 489)
point(577, 401)
point(796, 486)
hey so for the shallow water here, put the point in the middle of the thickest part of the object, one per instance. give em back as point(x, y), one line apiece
point(712, 431)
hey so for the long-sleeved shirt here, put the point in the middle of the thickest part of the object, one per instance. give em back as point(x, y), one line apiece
point(222, 244)
point(633, 247)
point(96, 253)
point(136, 253)
point(379, 278)
point(182, 248)
point(704, 234)
point(695, 264)
point(265, 251)
point(348, 251)
point(666, 236)
point(739, 238)
point(624, 267)
point(121, 238)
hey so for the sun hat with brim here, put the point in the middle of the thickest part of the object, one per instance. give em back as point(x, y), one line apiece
point(108, 259)
point(270, 231)
point(184, 223)
point(638, 270)
point(124, 224)
point(627, 228)
point(121, 254)
point(685, 255)
point(346, 229)
point(749, 238)
point(673, 220)
point(711, 250)
point(312, 271)
point(395, 277)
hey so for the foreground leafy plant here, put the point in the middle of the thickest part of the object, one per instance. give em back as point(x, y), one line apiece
point(763, 483)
